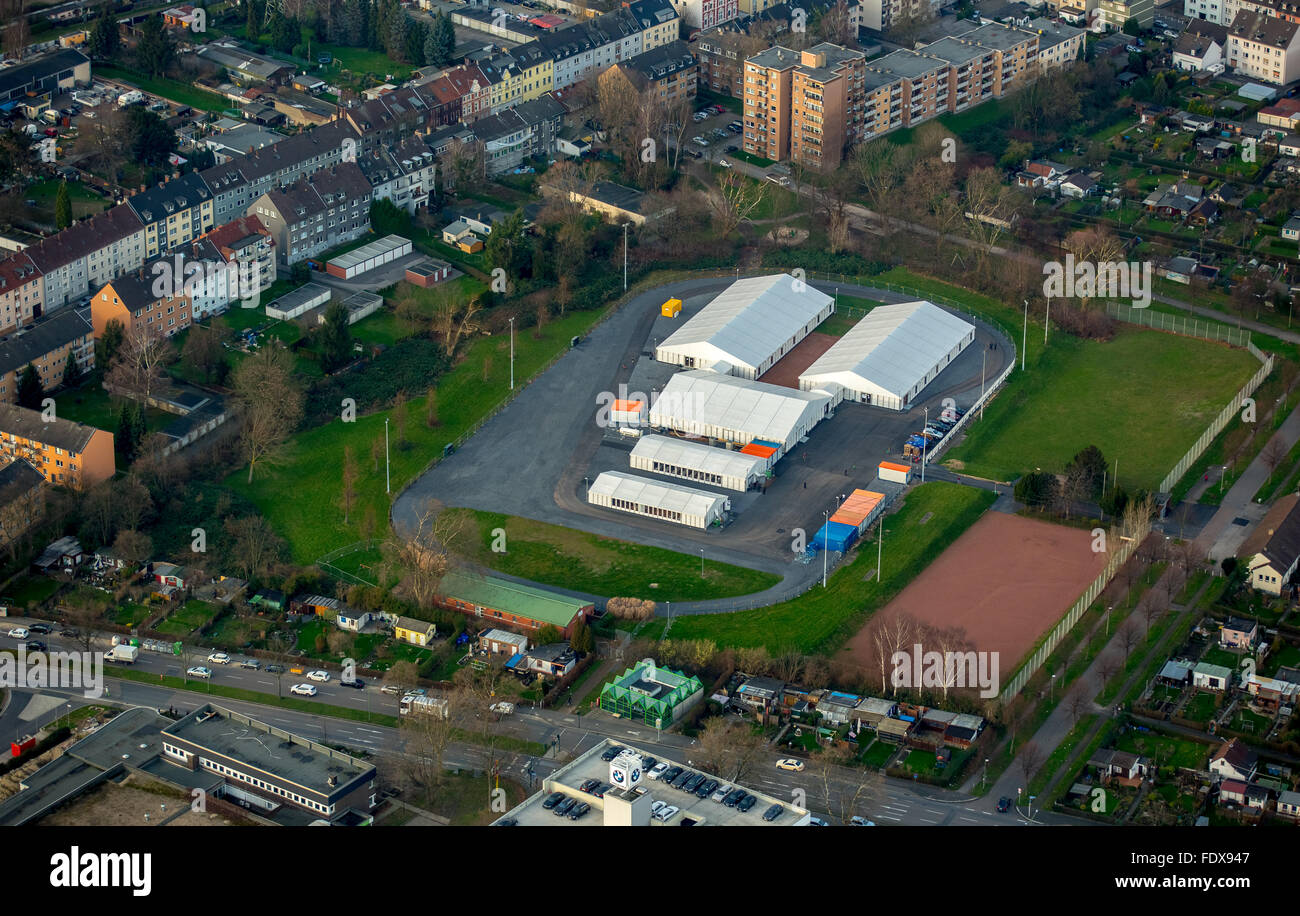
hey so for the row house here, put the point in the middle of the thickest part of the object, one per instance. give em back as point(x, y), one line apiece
point(47, 345)
point(720, 53)
point(667, 73)
point(142, 299)
point(316, 213)
point(513, 135)
point(384, 121)
point(705, 14)
point(174, 214)
point(67, 454)
point(472, 89)
point(403, 174)
point(1223, 12)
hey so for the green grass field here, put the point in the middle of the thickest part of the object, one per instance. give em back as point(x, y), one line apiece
point(182, 93)
point(313, 460)
point(1142, 398)
point(822, 619)
point(603, 566)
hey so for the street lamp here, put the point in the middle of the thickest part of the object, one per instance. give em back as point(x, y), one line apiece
point(512, 353)
point(984, 779)
point(924, 440)
point(825, 546)
point(388, 477)
point(1024, 337)
point(701, 562)
point(1052, 695)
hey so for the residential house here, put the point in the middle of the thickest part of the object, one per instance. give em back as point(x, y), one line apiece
point(1174, 201)
point(1041, 173)
point(66, 453)
point(141, 299)
point(1291, 228)
point(1121, 766)
point(1211, 677)
point(1272, 551)
point(354, 621)
point(552, 660)
point(761, 695)
point(171, 574)
point(415, 632)
point(1270, 694)
point(62, 555)
point(22, 500)
point(1288, 805)
point(1239, 633)
point(47, 344)
point(1079, 185)
point(402, 172)
point(1200, 48)
point(1234, 760)
point(1264, 47)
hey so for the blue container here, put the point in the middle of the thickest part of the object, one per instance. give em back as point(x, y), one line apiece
point(834, 536)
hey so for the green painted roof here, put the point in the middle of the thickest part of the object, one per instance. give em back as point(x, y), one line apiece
point(498, 594)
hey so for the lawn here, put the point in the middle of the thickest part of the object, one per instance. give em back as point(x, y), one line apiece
point(589, 563)
point(187, 618)
point(313, 459)
point(1200, 708)
point(93, 406)
point(1106, 394)
point(84, 201)
point(933, 516)
point(32, 590)
point(132, 615)
point(878, 754)
point(1169, 752)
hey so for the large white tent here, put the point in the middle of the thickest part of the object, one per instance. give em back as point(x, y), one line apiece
point(670, 502)
point(738, 410)
point(749, 326)
point(889, 357)
point(695, 461)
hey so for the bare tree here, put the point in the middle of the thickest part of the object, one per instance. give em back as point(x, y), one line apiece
point(844, 790)
point(256, 545)
point(734, 200)
point(1273, 454)
point(350, 475)
point(137, 369)
point(423, 557)
point(1129, 636)
point(1030, 760)
point(270, 404)
point(896, 634)
point(1076, 704)
point(729, 748)
point(1107, 667)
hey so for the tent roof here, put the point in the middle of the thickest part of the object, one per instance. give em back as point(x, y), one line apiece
point(894, 346)
point(750, 320)
point(698, 456)
point(671, 496)
point(705, 398)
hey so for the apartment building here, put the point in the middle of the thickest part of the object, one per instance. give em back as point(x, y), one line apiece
point(972, 70)
point(513, 135)
point(720, 54)
point(22, 500)
point(1264, 48)
point(20, 290)
point(316, 213)
point(473, 89)
point(1015, 54)
point(174, 214)
point(1059, 45)
point(827, 105)
point(1114, 13)
point(1223, 12)
point(87, 254)
point(883, 15)
point(248, 247)
point(242, 180)
point(668, 73)
point(144, 299)
point(46, 344)
point(67, 454)
point(386, 120)
point(705, 14)
point(403, 174)
point(924, 86)
point(769, 79)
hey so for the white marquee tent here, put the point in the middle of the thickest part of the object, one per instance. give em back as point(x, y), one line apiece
point(750, 325)
point(737, 410)
point(889, 357)
point(695, 461)
point(670, 502)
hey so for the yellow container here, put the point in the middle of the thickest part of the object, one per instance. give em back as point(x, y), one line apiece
point(672, 308)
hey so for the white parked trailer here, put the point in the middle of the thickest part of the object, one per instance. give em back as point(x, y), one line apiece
point(749, 326)
point(737, 410)
point(888, 357)
point(695, 461)
point(670, 502)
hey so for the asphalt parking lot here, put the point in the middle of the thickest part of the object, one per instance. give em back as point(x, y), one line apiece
point(532, 459)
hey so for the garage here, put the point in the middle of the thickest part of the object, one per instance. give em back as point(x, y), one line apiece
point(748, 327)
point(668, 502)
point(889, 356)
point(731, 409)
point(368, 257)
point(719, 467)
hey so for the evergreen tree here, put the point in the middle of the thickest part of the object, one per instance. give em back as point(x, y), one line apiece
point(108, 344)
point(104, 38)
point(154, 52)
point(446, 40)
point(336, 337)
point(431, 43)
point(374, 27)
point(71, 374)
point(130, 430)
point(416, 33)
point(62, 207)
point(354, 15)
point(30, 392)
point(253, 25)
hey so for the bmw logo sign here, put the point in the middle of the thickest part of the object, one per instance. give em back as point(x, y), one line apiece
point(618, 776)
point(636, 774)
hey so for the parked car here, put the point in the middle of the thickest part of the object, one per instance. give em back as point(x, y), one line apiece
point(318, 675)
point(659, 770)
point(746, 803)
point(666, 812)
point(773, 813)
point(693, 783)
point(303, 690)
point(734, 797)
point(817, 822)
point(219, 658)
point(35, 645)
point(720, 793)
point(588, 785)
point(681, 780)
point(671, 774)
point(658, 806)
point(613, 751)
point(733, 148)
point(552, 800)
point(579, 810)
point(252, 663)
point(699, 141)
point(724, 163)
point(199, 671)
point(356, 683)
point(601, 789)
point(42, 628)
point(391, 689)
point(859, 821)
point(275, 669)
point(565, 806)
point(1004, 805)
point(649, 763)
point(789, 763)
point(694, 154)
point(18, 632)
point(416, 692)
